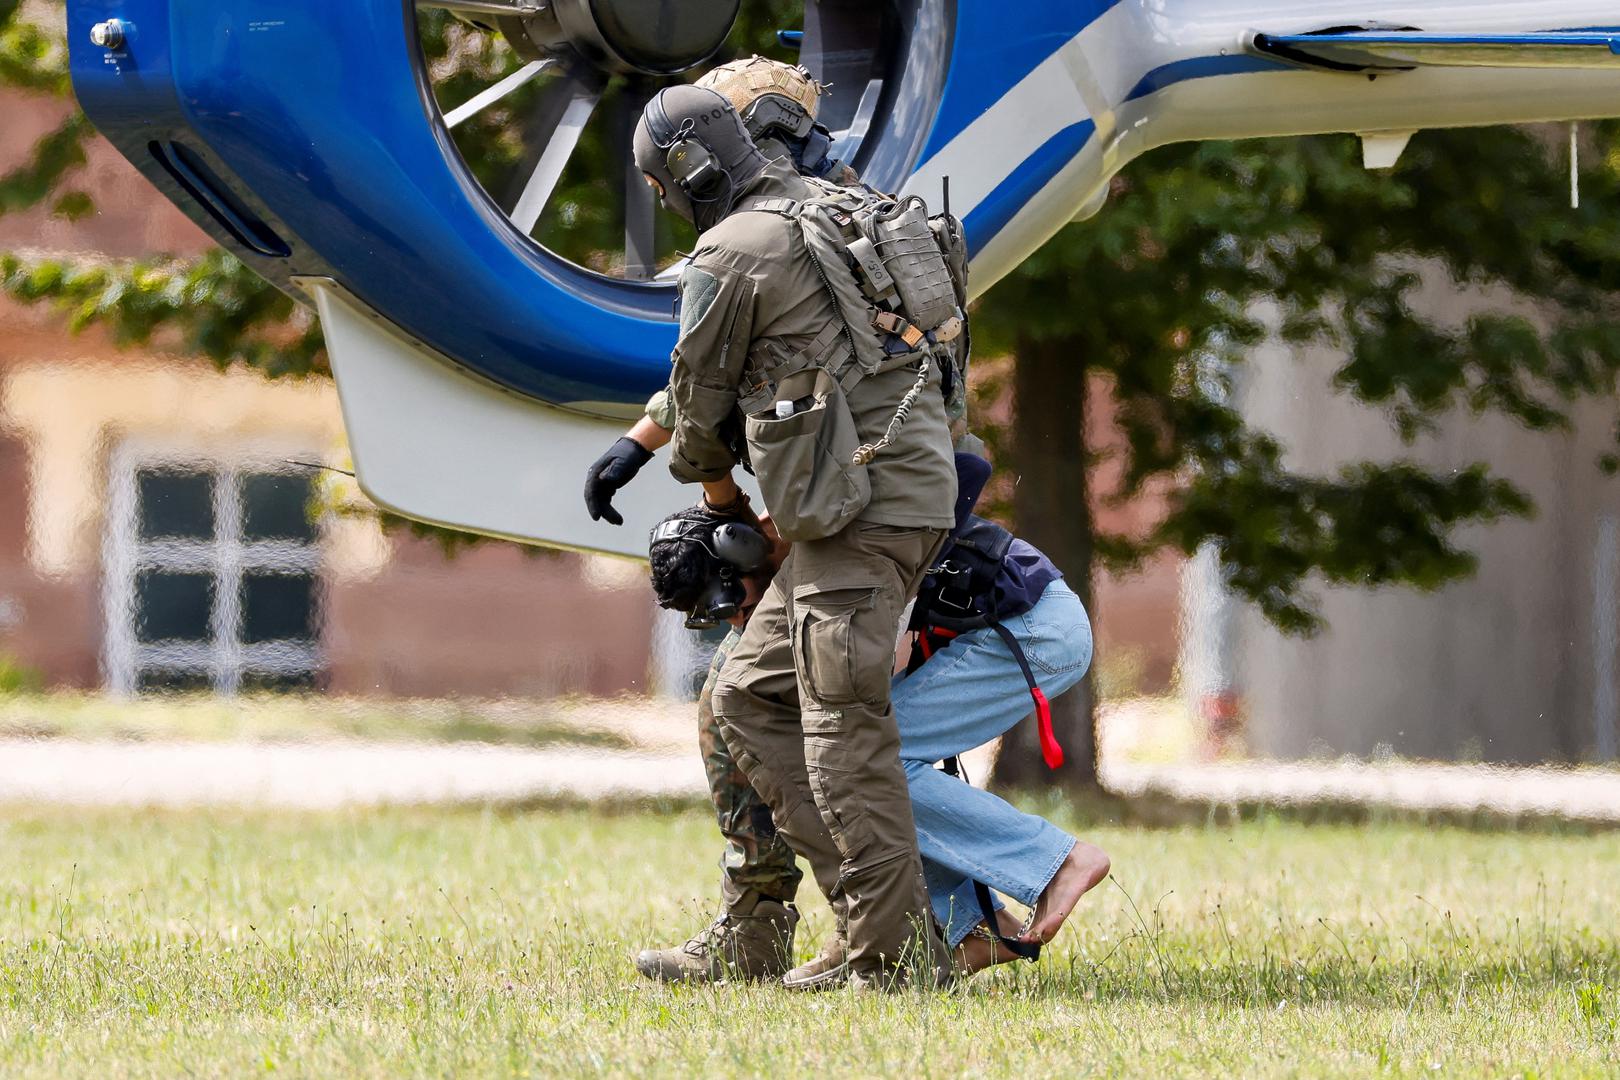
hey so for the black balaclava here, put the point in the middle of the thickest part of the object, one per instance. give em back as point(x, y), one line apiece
point(709, 119)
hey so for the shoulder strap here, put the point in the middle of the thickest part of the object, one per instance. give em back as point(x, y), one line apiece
point(788, 208)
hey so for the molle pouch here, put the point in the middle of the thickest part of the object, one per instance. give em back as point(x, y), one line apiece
point(912, 255)
point(803, 446)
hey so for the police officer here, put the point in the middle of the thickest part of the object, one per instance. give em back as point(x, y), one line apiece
point(752, 936)
point(804, 698)
point(980, 685)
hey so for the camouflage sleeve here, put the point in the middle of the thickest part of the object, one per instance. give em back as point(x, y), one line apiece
point(717, 318)
point(661, 409)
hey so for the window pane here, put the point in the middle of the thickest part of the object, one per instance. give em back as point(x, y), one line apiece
point(259, 682)
point(276, 607)
point(175, 505)
point(173, 607)
point(275, 506)
point(167, 681)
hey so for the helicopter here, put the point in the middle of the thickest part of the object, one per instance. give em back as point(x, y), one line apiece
point(481, 368)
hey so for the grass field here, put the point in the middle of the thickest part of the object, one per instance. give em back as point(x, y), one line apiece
point(469, 942)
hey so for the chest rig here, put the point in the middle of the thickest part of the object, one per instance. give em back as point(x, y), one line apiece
point(898, 278)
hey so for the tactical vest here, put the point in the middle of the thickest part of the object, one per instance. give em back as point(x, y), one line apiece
point(898, 278)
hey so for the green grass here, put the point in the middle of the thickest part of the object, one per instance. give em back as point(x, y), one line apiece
point(282, 717)
point(438, 943)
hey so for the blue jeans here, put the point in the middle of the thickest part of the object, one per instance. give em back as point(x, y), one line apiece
point(967, 694)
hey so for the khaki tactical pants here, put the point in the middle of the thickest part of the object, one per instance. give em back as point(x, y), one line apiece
point(804, 702)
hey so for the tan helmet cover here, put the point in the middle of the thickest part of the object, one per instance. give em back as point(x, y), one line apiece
point(743, 82)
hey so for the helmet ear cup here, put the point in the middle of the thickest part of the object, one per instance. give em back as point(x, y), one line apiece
point(742, 546)
point(692, 166)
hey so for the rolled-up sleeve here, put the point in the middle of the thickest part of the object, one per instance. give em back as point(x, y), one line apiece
point(661, 409)
point(717, 316)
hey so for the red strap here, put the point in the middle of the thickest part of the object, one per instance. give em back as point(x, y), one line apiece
point(1051, 752)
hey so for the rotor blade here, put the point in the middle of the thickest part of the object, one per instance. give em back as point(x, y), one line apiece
point(485, 98)
point(840, 46)
point(640, 225)
point(559, 148)
point(846, 142)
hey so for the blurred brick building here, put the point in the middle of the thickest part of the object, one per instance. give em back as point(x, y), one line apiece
point(152, 531)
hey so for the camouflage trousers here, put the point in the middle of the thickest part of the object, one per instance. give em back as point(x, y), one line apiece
point(756, 859)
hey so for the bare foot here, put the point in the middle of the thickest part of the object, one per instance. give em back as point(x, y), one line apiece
point(1086, 865)
point(976, 954)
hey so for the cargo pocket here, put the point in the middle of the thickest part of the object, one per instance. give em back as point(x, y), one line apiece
point(827, 651)
point(811, 486)
point(835, 773)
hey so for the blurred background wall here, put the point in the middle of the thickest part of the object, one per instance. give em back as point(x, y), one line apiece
point(1517, 664)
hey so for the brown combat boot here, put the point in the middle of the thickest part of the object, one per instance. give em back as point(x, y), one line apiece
point(751, 940)
point(826, 970)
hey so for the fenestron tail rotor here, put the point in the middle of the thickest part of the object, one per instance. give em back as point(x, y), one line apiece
point(541, 96)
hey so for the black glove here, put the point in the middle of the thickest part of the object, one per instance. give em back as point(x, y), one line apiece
point(609, 473)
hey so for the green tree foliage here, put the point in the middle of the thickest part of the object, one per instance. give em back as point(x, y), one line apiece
point(1160, 295)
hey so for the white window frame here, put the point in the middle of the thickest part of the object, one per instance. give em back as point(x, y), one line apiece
point(224, 659)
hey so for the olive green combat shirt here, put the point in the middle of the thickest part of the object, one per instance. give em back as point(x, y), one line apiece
point(752, 289)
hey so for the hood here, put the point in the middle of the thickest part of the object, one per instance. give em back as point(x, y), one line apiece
point(703, 117)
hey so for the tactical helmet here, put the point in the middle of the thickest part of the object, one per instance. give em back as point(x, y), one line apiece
point(768, 94)
point(693, 143)
point(778, 104)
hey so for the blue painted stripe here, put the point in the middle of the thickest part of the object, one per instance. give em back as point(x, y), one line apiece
point(1203, 67)
point(996, 44)
point(988, 218)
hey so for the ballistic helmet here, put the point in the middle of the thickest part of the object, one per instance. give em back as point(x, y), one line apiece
point(768, 95)
point(778, 104)
point(693, 143)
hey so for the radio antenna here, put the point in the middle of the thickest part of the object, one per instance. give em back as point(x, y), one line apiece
point(945, 195)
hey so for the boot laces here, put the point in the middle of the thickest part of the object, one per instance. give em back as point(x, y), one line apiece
point(712, 939)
